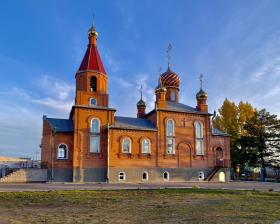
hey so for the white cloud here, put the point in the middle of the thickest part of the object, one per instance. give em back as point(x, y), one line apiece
point(21, 115)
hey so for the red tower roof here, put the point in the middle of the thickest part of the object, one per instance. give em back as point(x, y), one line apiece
point(92, 60)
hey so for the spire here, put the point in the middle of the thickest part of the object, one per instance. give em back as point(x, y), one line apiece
point(168, 56)
point(201, 80)
point(92, 60)
point(141, 102)
point(92, 31)
point(201, 93)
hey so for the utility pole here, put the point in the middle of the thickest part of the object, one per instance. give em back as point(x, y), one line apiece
point(52, 156)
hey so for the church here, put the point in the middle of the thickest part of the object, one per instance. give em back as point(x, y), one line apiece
point(173, 142)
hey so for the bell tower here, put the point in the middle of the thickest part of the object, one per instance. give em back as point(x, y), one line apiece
point(91, 78)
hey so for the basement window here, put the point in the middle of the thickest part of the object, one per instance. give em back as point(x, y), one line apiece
point(166, 176)
point(122, 176)
point(201, 176)
point(145, 176)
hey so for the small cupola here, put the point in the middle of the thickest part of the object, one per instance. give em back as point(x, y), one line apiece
point(141, 106)
point(201, 97)
point(160, 92)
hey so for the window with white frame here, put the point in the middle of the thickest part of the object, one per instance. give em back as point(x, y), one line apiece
point(199, 138)
point(62, 152)
point(145, 176)
point(170, 140)
point(126, 145)
point(166, 176)
point(122, 176)
point(92, 102)
point(95, 135)
point(146, 146)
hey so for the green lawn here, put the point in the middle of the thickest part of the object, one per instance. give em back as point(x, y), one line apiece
point(140, 206)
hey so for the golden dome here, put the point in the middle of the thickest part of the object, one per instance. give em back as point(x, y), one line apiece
point(201, 94)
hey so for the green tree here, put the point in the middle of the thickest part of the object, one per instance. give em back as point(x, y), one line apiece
point(262, 139)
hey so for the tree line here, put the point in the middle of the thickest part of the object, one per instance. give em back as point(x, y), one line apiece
point(255, 135)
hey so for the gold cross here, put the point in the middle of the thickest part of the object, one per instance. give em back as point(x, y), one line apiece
point(168, 54)
point(141, 90)
point(201, 80)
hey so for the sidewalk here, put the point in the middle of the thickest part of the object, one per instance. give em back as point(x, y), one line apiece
point(236, 185)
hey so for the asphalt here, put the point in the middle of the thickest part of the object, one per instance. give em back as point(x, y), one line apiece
point(233, 185)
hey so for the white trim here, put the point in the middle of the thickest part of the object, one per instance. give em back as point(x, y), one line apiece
point(124, 176)
point(173, 127)
point(66, 152)
point(200, 139)
point(94, 134)
point(147, 176)
point(168, 176)
point(129, 145)
point(95, 118)
point(142, 146)
point(170, 136)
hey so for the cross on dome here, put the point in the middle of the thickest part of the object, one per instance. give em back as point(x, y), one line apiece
point(168, 55)
point(201, 80)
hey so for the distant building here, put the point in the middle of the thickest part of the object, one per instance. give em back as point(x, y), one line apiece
point(173, 142)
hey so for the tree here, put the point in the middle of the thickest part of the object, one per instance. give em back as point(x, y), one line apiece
point(262, 139)
point(231, 119)
point(227, 119)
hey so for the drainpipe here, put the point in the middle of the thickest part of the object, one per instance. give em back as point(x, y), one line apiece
point(52, 156)
point(108, 147)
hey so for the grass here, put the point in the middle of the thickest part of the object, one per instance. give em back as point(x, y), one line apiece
point(140, 206)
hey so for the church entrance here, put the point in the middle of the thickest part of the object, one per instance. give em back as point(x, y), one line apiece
point(219, 157)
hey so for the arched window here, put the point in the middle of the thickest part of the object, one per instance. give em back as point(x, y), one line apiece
point(93, 84)
point(62, 152)
point(122, 176)
point(126, 145)
point(170, 141)
point(146, 146)
point(95, 136)
point(92, 102)
point(199, 138)
point(166, 176)
point(145, 176)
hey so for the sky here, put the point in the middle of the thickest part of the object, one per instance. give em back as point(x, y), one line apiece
point(234, 44)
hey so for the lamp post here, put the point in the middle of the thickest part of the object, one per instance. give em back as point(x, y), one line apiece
point(52, 156)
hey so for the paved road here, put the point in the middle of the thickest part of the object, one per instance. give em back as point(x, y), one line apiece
point(94, 186)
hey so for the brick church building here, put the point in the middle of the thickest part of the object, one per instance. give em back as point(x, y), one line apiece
point(172, 142)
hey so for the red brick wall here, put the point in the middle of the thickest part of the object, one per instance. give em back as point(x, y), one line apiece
point(66, 138)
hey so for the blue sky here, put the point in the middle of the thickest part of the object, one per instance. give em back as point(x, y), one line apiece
point(235, 44)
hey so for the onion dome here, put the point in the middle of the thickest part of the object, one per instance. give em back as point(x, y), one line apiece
point(160, 87)
point(141, 102)
point(170, 79)
point(201, 94)
point(92, 32)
